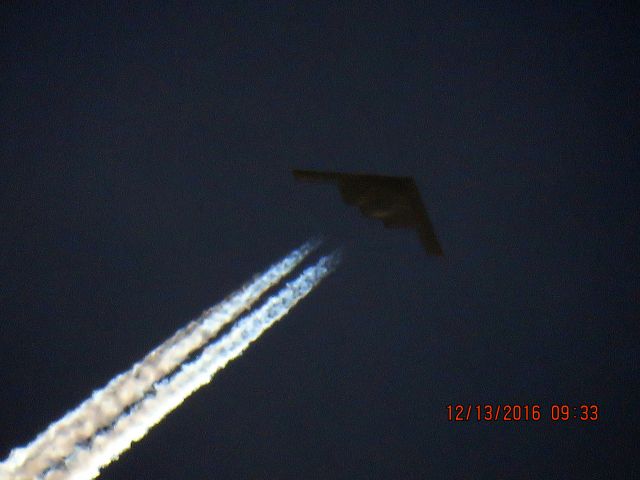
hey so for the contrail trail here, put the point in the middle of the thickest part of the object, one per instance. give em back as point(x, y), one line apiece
point(102, 411)
point(86, 461)
point(104, 405)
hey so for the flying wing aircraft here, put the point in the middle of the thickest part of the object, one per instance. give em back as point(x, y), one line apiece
point(394, 200)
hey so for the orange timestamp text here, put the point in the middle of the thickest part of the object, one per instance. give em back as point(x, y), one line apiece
point(522, 412)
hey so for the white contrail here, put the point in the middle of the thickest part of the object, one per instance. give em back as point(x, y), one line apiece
point(86, 461)
point(105, 405)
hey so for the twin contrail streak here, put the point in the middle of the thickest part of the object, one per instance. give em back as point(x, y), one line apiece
point(106, 404)
point(101, 428)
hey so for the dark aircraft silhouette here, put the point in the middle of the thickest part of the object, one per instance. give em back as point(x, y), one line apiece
point(394, 200)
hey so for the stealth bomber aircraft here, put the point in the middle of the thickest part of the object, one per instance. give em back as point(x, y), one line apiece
point(394, 200)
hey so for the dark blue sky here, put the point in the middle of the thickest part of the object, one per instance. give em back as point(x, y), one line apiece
point(146, 151)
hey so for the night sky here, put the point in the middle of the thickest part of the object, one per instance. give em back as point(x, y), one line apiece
point(146, 151)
